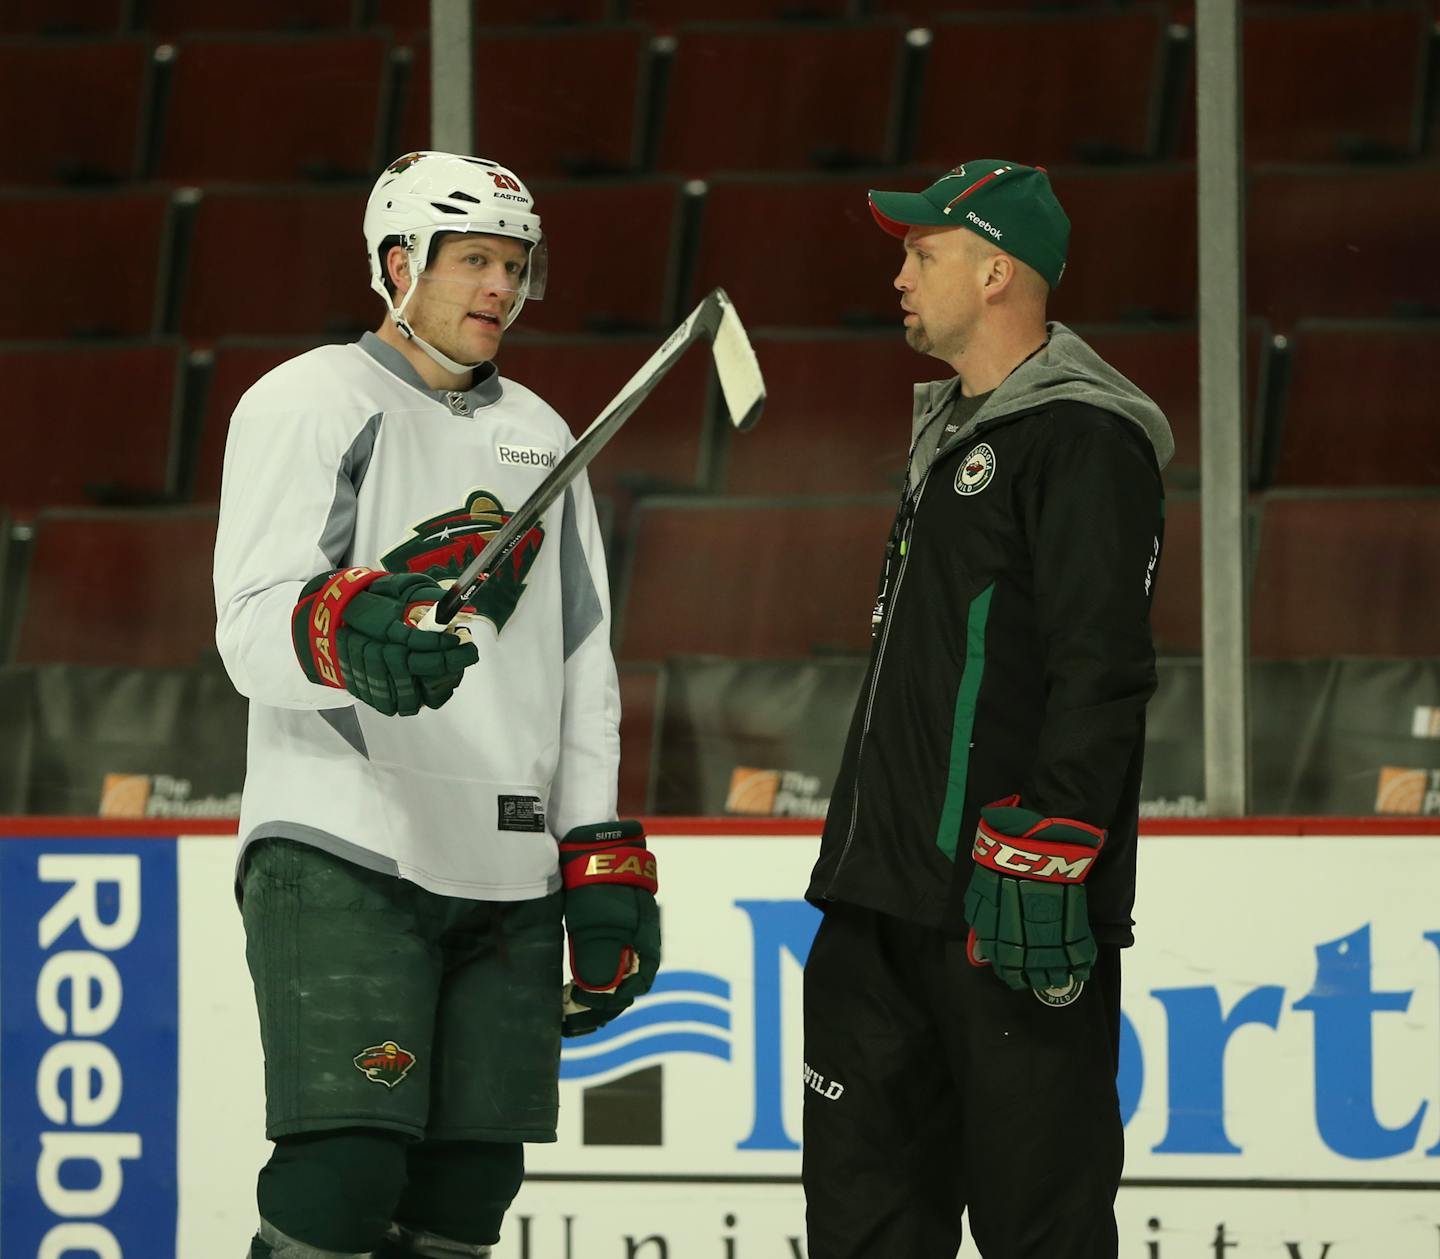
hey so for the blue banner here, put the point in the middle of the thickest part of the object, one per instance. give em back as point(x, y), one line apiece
point(89, 1021)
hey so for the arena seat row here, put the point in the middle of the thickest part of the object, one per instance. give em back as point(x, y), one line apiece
point(1081, 87)
point(780, 578)
point(1337, 405)
point(412, 17)
point(792, 251)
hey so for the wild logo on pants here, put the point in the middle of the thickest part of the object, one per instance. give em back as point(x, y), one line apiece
point(830, 1090)
point(1065, 994)
point(386, 1064)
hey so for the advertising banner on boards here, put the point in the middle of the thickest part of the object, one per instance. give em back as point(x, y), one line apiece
point(1280, 1072)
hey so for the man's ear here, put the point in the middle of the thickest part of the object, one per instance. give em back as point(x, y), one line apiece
point(1000, 275)
point(397, 267)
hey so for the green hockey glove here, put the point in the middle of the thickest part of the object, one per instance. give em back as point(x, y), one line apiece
point(612, 920)
point(354, 629)
point(1026, 900)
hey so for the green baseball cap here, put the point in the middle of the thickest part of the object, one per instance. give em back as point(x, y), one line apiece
point(1003, 202)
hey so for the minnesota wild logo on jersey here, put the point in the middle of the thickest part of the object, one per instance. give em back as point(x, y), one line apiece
point(444, 544)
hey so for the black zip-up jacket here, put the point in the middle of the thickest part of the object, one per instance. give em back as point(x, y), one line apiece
point(1013, 651)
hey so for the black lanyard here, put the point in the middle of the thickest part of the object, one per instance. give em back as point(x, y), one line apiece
point(898, 542)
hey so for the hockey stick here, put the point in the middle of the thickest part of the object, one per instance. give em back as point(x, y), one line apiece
point(740, 383)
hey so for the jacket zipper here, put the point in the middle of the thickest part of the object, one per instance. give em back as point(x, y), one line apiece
point(892, 603)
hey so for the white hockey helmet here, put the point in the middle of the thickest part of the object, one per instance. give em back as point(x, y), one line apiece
point(422, 195)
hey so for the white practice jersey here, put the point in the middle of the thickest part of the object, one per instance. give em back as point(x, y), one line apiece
point(343, 456)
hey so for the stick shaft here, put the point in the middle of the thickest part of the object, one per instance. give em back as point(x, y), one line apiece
point(704, 320)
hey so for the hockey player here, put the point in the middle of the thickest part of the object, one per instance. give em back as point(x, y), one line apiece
point(400, 879)
point(977, 868)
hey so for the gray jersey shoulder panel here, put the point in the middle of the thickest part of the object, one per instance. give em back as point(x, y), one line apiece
point(339, 528)
point(579, 601)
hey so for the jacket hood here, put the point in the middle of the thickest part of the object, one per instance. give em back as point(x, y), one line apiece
point(1066, 369)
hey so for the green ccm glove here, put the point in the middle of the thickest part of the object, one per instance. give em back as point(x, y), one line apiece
point(1026, 900)
point(613, 922)
point(354, 629)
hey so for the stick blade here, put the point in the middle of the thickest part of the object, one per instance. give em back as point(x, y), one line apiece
point(738, 369)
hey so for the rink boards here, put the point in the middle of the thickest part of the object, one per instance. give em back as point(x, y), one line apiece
point(1280, 1071)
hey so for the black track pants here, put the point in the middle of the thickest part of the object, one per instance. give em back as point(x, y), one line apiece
point(933, 1087)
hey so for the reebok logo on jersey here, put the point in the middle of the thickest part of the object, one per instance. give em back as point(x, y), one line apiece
point(983, 225)
point(526, 456)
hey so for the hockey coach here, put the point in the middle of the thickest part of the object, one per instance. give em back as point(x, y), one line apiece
point(977, 869)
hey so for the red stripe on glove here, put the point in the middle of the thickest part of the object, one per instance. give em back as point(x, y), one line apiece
point(620, 864)
point(325, 613)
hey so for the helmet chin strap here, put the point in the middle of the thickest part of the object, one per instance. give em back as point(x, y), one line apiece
point(445, 361)
point(397, 313)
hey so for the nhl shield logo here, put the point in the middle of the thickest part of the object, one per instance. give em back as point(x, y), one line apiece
point(1065, 994)
point(385, 1064)
point(976, 470)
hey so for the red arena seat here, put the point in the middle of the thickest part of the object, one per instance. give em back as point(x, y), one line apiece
point(1387, 373)
point(1132, 245)
point(1175, 612)
point(411, 18)
point(753, 577)
point(612, 254)
point(89, 286)
point(802, 103)
point(837, 415)
point(72, 452)
point(1346, 574)
point(61, 17)
point(309, 242)
point(662, 446)
point(835, 272)
point(641, 689)
point(1343, 243)
point(89, 133)
point(1294, 60)
point(149, 570)
point(666, 14)
point(929, 11)
point(274, 108)
point(1045, 89)
point(592, 127)
point(171, 18)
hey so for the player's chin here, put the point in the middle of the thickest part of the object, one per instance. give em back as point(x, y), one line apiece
point(481, 333)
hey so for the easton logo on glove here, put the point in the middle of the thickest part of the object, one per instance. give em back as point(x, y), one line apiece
point(444, 544)
point(325, 615)
point(354, 629)
point(611, 917)
point(634, 866)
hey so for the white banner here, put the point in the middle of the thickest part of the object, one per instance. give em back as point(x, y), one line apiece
point(1280, 1068)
